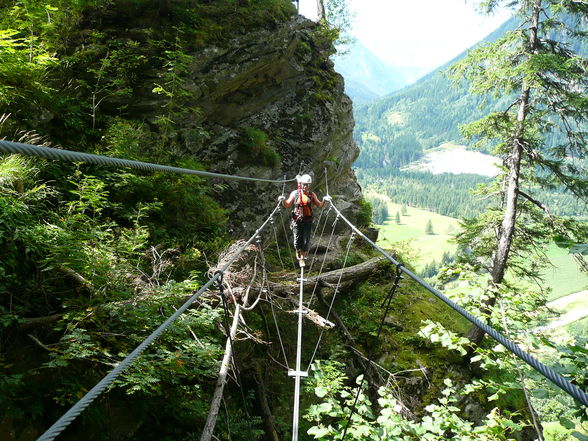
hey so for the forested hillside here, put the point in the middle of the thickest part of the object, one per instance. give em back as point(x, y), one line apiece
point(394, 130)
point(367, 77)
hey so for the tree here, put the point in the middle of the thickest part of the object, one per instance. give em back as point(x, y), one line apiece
point(397, 218)
point(403, 210)
point(335, 14)
point(429, 227)
point(548, 82)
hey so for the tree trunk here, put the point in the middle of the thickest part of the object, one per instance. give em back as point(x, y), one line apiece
point(321, 15)
point(504, 240)
point(221, 380)
point(355, 273)
point(268, 420)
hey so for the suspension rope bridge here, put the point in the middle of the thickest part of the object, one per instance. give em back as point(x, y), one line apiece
point(64, 155)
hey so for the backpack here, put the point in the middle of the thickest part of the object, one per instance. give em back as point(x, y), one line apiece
point(302, 212)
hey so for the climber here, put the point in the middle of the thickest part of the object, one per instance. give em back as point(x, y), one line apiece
point(301, 225)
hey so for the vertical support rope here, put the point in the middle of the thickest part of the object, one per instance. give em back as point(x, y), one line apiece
point(286, 237)
point(387, 302)
point(271, 302)
point(323, 262)
point(334, 297)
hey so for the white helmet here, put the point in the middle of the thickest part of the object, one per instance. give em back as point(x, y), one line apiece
point(304, 179)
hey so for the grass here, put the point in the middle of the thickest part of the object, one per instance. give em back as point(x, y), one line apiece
point(564, 278)
point(428, 247)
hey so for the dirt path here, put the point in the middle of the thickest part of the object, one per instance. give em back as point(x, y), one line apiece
point(570, 316)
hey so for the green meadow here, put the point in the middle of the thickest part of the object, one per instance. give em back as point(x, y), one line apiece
point(412, 229)
point(563, 277)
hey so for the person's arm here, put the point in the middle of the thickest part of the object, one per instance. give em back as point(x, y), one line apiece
point(316, 201)
point(288, 202)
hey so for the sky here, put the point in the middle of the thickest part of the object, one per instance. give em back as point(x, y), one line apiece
point(416, 34)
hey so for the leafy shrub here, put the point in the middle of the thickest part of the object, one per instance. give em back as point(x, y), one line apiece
point(365, 213)
point(257, 149)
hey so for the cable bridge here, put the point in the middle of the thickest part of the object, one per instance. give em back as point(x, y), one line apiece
point(217, 280)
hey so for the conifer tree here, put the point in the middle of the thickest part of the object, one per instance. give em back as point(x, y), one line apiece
point(397, 218)
point(429, 228)
point(549, 82)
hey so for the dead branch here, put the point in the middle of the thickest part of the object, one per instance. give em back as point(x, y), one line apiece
point(77, 278)
point(37, 322)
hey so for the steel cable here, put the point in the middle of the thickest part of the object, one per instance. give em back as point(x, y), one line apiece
point(320, 238)
point(546, 371)
point(60, 425)
point(387, 302)
point(71, 156)
point(270, 300)
point(323, 262)
point(286, 237)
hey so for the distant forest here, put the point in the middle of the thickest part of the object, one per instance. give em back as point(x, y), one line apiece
point(451, 195)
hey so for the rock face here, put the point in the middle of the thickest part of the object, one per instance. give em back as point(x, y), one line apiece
point(280, 84)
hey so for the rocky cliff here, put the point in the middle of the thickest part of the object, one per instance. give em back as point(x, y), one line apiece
point(282, 83)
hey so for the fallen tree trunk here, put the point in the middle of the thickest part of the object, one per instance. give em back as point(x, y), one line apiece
point(354, 273)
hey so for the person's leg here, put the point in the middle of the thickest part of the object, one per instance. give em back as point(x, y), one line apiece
point(297, 230)
point(307, 228)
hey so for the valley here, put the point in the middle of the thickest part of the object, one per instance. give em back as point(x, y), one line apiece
point(566, 283)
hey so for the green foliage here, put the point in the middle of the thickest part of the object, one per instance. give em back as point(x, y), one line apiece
point(429, 227)
point(379, 210)
point(441, 421)
point(364, 214)
point(257, 149)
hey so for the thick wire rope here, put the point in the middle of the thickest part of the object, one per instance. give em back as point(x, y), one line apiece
point(270, 301)
point(71, 156)
point(387, 302)
point(323, 262)
point(546, 371)
point(233, 352)
point(60, 425)
point(333, 298)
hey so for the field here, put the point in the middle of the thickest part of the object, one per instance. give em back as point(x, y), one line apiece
point(563, 278)
point(412, 226)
